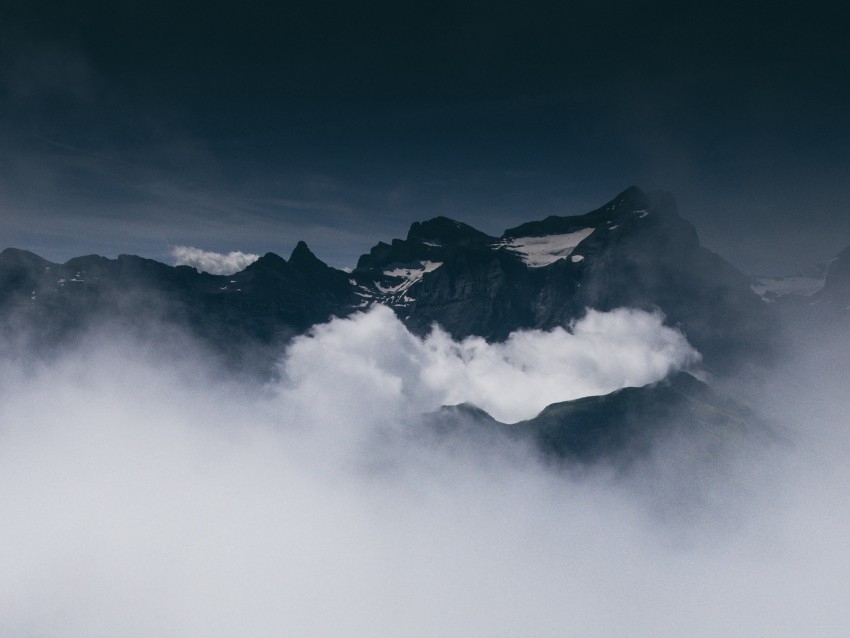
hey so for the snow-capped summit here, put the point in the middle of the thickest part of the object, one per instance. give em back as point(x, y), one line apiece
point(556, 238)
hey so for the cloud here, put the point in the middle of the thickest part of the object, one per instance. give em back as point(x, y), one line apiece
point(514, 380)
point(212, 262)
point(144, 494)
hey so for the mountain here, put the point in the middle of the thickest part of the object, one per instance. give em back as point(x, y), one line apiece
point(834, 297)
point(268, 303)
point(624, 425)
point(804, 284)
point(818, 297)
point(634, 251)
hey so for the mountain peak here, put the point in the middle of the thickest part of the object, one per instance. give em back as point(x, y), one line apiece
point(632, 193)
point(302, 260)
point(22, 257)
point(429, 241)
point(631, 203)
point(302, 254)
point(269, 261)
point(443, 230)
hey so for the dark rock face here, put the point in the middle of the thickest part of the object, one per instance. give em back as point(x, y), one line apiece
point(475, 292)
point(623, 426)
point(628, 422)
point(389, 272)
point(276, 299)
point(432, 240)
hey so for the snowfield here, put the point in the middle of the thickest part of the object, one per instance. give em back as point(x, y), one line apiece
point(537, 252)
point(408, 274)
point(769, 288)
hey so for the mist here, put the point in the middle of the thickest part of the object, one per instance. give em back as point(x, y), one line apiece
point(144, 493)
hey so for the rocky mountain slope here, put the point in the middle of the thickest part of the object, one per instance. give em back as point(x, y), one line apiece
point(634, 251)
point(624, 425)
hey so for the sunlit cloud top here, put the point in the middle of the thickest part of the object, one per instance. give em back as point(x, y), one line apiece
point(212, 262)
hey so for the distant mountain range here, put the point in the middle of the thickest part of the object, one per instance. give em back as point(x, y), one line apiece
point(822, 292)
point(635, 251)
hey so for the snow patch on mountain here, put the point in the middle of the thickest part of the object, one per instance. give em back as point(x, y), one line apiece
point(405, 275)
point(537, 252)
point(771, 288)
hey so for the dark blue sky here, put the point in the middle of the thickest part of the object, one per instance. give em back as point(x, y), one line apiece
point(132, 126)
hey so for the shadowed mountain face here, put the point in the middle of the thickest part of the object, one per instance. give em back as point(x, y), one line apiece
point(236, 316)
point(623, 426)
point(631, 420)
point(635, 251)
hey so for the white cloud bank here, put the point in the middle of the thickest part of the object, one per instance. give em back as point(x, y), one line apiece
point(140, 497)
point(512, 381)
point(212, 262)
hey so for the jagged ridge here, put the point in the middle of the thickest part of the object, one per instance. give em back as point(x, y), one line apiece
point(633, 251)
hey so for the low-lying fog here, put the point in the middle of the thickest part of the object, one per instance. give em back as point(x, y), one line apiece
point(143, 493)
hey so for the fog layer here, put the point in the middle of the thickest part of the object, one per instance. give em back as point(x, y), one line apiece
point(141, 495)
